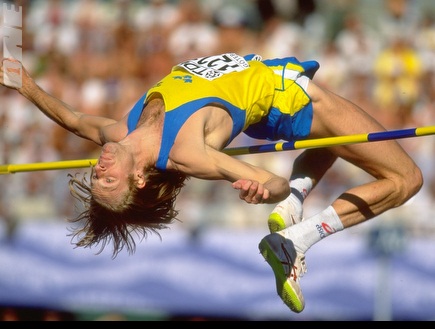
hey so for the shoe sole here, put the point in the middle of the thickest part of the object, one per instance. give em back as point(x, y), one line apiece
point(283, 288)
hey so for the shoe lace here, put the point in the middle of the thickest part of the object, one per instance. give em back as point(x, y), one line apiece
point(296, 268)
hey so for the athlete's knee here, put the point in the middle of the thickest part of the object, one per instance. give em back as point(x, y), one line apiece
point(409, 184)
point(415, 181)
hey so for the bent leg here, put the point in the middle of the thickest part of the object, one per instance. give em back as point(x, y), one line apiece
point(397, 177)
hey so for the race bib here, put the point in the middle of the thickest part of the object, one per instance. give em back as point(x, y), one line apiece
point(213, 67)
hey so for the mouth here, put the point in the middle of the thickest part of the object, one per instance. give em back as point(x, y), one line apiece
point(104, 162)
point(107, 155)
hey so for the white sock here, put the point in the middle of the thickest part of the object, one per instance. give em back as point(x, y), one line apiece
point(301, 185)
point(300, 188)
point(313, 229)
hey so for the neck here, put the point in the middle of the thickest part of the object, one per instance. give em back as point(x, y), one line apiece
point(144, 142)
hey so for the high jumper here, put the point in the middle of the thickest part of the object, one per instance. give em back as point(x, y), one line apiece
point(179, 128)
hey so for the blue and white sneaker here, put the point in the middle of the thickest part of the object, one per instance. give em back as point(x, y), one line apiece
point(288, 265)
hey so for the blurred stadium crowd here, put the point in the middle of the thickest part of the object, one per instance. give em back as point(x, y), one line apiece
point(100, 56)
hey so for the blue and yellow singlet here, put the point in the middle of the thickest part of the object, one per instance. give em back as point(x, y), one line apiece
point(266, 99)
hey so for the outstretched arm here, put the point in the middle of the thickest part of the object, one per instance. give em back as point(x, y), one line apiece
point(81, 124)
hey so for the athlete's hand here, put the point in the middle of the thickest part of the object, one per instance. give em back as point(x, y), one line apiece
point(7, 72)
point(251, 191)
point(12, 74)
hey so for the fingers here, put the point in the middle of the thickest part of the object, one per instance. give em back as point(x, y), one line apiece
point(251, 191)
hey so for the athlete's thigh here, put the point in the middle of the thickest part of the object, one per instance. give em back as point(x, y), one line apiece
point(335, 116)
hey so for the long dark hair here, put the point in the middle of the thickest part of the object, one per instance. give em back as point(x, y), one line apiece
point(142, 211)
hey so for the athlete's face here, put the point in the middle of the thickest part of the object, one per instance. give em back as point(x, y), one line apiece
point(109, 178)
